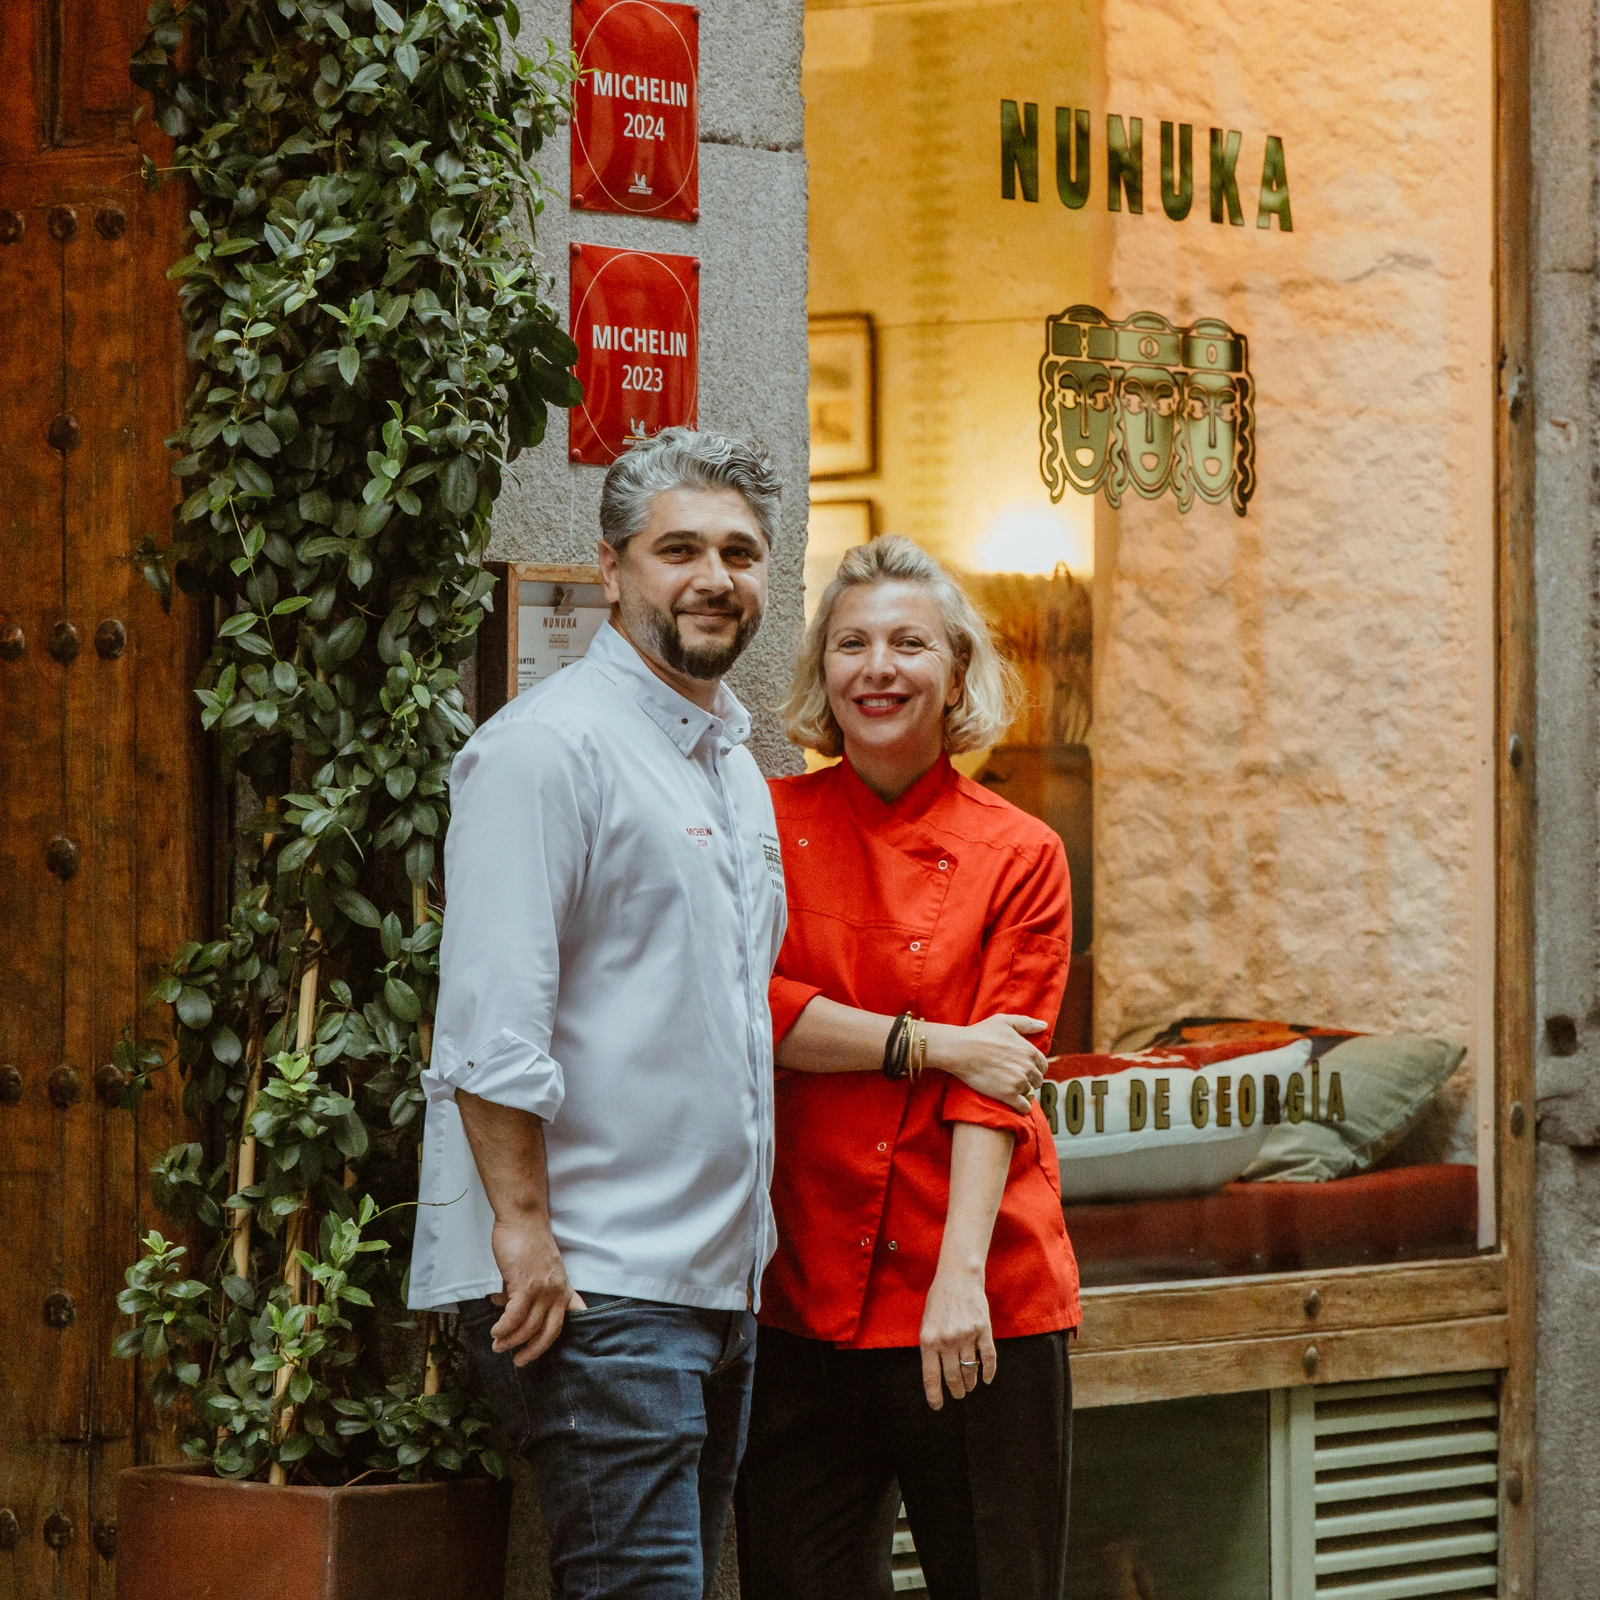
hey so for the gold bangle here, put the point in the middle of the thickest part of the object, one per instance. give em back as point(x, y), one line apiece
point(918, 1055)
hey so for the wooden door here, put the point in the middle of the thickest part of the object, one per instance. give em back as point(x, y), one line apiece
point(101, 847)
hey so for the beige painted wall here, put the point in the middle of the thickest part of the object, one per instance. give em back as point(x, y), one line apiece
point(1293, 708)
point(907, 223)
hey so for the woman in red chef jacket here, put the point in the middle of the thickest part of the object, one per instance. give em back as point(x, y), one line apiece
point(922, 1258)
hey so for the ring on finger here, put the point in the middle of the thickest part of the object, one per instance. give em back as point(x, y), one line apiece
point(962, 1363)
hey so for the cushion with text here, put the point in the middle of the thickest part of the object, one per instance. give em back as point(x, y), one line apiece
point(1161, 1123)
point(1372, 1087)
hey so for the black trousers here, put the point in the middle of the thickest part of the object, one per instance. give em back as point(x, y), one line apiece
point(838, 1437)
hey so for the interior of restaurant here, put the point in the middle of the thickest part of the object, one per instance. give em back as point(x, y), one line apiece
point(1171, 329)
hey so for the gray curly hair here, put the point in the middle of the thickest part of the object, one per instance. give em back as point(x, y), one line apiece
point(991, 691)
point(681, 458)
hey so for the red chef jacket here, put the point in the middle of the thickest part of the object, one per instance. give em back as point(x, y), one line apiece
point(954, 905)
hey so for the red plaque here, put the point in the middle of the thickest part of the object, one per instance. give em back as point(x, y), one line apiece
point(636, 109)
point(636, 322)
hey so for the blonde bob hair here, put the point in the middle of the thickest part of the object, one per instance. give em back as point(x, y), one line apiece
point(991, 691)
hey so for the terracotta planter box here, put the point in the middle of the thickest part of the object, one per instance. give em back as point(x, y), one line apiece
point(185, 1535)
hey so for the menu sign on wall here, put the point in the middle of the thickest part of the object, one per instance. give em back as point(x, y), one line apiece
point(556, 623)
point(635, 109)
point(636, 322)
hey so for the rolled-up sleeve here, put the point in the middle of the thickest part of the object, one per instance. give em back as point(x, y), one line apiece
point(787, 997)
point(1024, 974)
point(523, 813)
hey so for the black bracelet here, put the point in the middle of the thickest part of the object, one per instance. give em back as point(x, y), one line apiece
point(896, 1048)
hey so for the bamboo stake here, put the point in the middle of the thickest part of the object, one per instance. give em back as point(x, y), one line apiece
point(246, 1174)
point(295, 1231)
point(420, 914)
point(246, 1155)
point(432, 1376)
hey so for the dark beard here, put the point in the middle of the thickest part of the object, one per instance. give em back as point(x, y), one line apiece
point(662, 632)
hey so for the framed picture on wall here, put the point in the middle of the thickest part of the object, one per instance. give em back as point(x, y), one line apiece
point(834, 526)
point(543, 620)
point(842, 397)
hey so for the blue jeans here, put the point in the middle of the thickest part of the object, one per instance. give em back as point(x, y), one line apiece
point(634, 1420)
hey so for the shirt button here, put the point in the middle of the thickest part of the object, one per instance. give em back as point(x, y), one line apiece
point(893, 1245)
point(944, 866)
point(804, 842)
point(882, 1146)
point(916, 944)
point(865, 1243)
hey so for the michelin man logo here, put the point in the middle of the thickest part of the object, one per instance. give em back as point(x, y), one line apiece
point(1141, 404)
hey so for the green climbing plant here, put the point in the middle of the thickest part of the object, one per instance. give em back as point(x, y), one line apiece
point(372, 343)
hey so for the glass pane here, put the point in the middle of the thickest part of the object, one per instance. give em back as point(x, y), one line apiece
point(1171, 1499)
point(1149, 329)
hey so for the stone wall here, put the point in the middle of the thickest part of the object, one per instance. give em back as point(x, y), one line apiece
point(1567, 770)
point(1291, 706)
point(751, 241)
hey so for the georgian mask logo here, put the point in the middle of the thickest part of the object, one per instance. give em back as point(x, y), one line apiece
point(1144, 405)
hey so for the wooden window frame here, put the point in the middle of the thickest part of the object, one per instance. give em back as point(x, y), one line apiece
point(1169, 1340)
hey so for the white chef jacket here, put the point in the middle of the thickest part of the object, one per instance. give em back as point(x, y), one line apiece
point(614, 908)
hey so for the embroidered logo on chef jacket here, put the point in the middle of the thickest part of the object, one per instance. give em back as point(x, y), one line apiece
point(771, 849)
point(701, 836)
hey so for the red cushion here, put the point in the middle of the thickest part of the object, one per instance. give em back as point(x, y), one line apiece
point(1402, 1214)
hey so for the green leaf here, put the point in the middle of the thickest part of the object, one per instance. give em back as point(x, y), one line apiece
point(419, 861)
point(239, 622)
point(388, 16)
point(295, 602)
point(317, 506)
point(349, 363)
point(444, 226)
point(402, 1000)
point(350, 1137)
point(193, 1007)
point(225, 1046)
point(345, 640)
point(373, 519)
point(458, 488)
point(405, 57)
point(261, 438)
point(295, 854)
point(357, 907)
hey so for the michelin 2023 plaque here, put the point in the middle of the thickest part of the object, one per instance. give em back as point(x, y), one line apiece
point(636, 322)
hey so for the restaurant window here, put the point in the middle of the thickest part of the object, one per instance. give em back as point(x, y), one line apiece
point(1173, 333)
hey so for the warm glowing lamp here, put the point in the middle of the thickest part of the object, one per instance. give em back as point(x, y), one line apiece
point(1036, 539)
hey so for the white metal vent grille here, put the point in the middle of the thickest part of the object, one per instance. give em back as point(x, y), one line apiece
point(908, 1577)
point(1406, 1488)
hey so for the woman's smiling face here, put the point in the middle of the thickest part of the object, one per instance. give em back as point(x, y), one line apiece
point(890, 674)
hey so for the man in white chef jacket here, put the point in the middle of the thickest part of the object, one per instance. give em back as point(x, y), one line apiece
point(598, 1143)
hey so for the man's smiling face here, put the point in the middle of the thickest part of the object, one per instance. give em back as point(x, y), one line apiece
point(690, 588)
